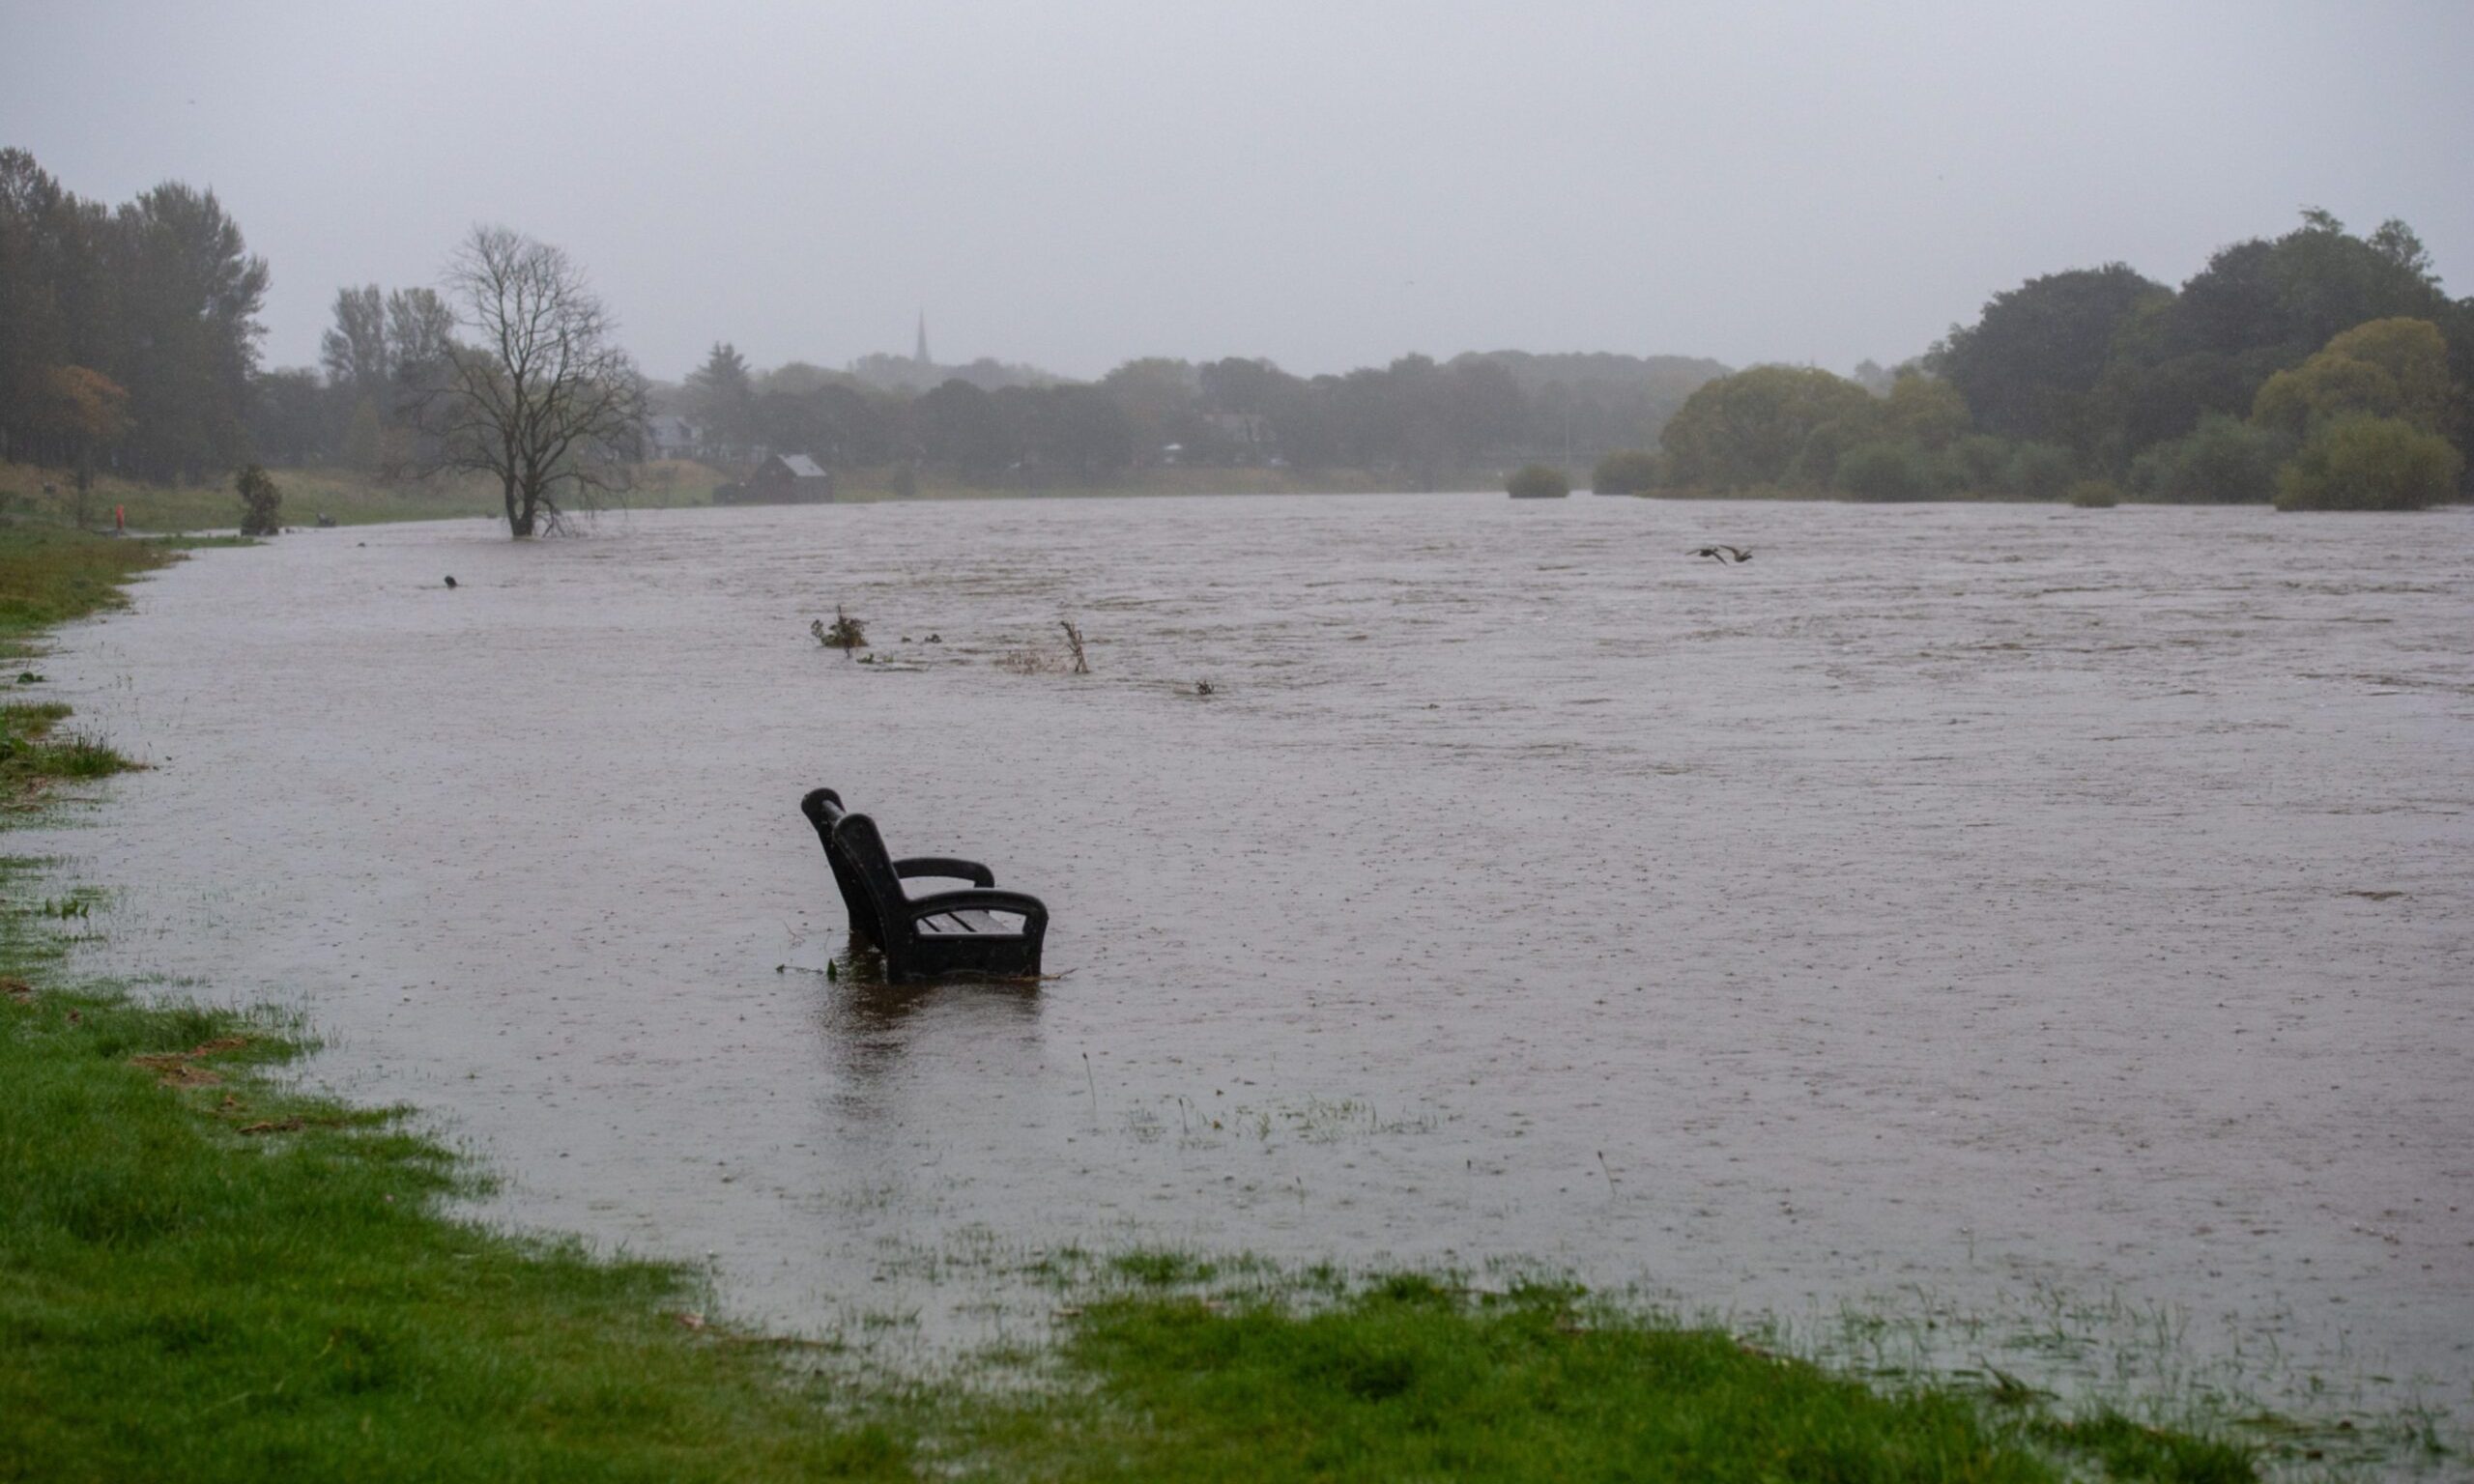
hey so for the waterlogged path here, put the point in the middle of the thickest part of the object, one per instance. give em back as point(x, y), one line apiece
point(1954, 900)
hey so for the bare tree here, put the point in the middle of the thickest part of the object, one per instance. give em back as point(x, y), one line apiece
point(540, 398)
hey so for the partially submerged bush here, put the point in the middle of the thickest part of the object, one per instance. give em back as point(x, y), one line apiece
point(260, 502)
point(2370, 464)
point(845, 633)
point(2041, 471)
point(1631, 472)
point(1886, 470)
point(2223, 461)
point(1537, 481)
point(2095, 495)
point(1979, 464)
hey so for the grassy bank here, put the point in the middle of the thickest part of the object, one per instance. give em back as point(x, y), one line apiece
point(348, 497)
point(352, 498)
point(208, 1274)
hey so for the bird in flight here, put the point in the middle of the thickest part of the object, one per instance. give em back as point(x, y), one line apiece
point(1722, 554)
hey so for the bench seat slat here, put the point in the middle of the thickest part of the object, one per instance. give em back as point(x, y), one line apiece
point(970, 920)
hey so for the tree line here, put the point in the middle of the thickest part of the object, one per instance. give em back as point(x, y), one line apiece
point(128, 333)
point(1423, 420)
point(2317, 368)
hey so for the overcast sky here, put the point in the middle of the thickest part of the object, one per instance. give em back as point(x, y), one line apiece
point(1328, 185)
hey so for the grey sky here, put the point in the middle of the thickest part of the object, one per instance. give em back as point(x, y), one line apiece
point(1329, 185)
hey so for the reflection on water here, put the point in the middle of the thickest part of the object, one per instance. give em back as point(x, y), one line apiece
point(872, 1021)
point(1953, 898)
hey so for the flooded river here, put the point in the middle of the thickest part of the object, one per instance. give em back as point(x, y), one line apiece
point(1952, 900)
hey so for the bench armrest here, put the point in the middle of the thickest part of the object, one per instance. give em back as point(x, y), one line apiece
point(945, 865)
point(1032, 910)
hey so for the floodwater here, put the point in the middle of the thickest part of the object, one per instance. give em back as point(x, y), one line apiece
point(1952, 900)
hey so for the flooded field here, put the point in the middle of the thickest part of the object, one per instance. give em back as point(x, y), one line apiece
point(1953, 901)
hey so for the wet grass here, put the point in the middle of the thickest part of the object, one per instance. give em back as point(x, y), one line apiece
point(32, 753)
point(1407, 1378)
point(50, 575)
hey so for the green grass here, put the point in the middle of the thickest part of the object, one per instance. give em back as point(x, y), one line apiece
point(49, 575)
point(1407, 1381)
point(30, 753)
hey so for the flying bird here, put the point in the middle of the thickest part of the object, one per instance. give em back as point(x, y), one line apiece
point(1723, 554)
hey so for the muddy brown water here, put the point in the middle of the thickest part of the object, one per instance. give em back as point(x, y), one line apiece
point(1950, 901)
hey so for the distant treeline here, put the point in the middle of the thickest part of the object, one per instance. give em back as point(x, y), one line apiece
point(2318, 367)
point(1417, 418)
point(127, 333)
point(2316, 370)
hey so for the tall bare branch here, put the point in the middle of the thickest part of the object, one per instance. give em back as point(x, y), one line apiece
point(539, 397)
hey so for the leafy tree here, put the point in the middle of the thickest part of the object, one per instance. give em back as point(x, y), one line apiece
point(2370, 464)
point(2029, 365)
point(2413, 351)
point(84, 412)
point(355, 350)
point(2222, 461)
point(289, 420)
point(2322, 387)
point(722, 394)
point(960, 426)
point(365, 445)
point(1161, 399)
point(189, 303)
point(542, 399)
point(1751, 428)
point(421, 339)
point(1925, 411)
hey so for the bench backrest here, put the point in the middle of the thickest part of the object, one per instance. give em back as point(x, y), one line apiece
point(825, 811)
point(870, 891)
point(863, 854)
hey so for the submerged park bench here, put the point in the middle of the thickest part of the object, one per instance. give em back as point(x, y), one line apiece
point(975, 930)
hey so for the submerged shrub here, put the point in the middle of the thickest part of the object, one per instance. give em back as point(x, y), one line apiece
point(1886, 471)
point(2370, 464)
point(260, 501)
point(2042, 470)
point(1979, 464)
point(1537, 481)
point(2223, 461)
point(2095, 495)
point(1631, 472)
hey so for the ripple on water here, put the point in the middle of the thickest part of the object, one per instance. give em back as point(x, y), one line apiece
point(1958, 897)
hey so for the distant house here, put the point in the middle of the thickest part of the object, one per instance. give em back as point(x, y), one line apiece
point(782, 479)
point(1246, 430)
point(672, 436)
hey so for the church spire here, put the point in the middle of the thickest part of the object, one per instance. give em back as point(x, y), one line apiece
point(921, 355)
